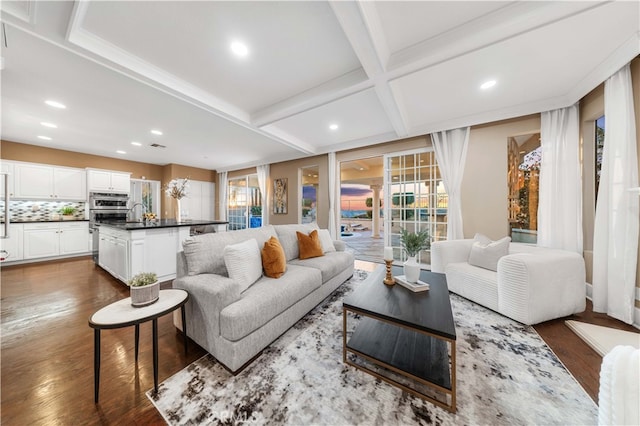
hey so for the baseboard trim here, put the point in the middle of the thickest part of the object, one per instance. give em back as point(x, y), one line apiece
point(636, 311)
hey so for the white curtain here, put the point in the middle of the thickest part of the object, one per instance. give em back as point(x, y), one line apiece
point(223, 183)
point(333, 230)
point(451, 152)
point(263, 179)
point(560, 190)
point(615, 239)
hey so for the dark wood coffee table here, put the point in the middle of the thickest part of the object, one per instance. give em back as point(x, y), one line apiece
point(404, 338)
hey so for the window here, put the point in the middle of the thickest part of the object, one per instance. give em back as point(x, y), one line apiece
point(308, 192)
point(599, 138)
point(146, 192)
point(415, 199)
point(245, 203)
point(523, 173)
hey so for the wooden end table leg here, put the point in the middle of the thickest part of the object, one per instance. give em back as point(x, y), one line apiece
point(137, 340)
point(96, 363)
point(184, 328)
point(155, 354)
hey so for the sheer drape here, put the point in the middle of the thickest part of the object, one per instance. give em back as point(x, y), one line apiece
point(615, 239)
point(223, 183)
point(450, 147)
point(560, 191)
point(333, 230)
point(263, 179)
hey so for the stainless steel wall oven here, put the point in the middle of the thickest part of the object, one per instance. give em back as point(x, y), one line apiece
point(105, 207)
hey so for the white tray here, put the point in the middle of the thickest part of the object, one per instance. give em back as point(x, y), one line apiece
point(415, 287)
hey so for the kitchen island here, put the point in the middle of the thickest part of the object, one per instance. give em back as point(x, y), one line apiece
point(128, 248)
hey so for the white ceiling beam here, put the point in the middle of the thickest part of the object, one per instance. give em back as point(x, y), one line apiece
point(373, 24)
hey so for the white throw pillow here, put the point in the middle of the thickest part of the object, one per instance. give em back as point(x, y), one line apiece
point(486, 255)
point(243, 262)
point(326, 240)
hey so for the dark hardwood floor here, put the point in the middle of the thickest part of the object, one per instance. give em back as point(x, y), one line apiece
point(47, 349)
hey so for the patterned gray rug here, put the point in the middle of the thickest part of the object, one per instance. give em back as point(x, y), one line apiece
point(506, 375)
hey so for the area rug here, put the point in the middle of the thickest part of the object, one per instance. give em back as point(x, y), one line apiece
point(505, 375)
point(603, 339)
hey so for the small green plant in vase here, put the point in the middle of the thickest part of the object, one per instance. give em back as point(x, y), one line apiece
point(144, 288)
point(67, 212)
point(413, 243)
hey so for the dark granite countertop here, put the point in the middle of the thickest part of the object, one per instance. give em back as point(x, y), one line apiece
point(46, 220)
point(162, 223)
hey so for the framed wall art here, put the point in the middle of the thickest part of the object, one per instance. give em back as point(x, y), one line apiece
point(280, 196)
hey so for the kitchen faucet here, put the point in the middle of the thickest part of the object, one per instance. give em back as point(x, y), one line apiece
point(144, 209)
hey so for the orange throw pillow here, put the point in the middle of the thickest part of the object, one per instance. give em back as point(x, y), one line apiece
point(274, 262)
point(309, 245)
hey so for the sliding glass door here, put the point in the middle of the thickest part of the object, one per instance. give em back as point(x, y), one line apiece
point(415, 199)
point(244, 203)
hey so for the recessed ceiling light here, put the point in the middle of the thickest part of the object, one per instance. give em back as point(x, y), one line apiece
point(156, 132)
point(121, 151)
point(239, 49)
point(136, 143)
point(333, 126)
point(361, 168)
point(488, 84)
point(46, 138)
point(51, 125)
point(55, 104)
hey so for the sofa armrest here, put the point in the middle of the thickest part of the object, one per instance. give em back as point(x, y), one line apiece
point(450, 251)
point(536, 287)
point(209, 294)
point(339, 245)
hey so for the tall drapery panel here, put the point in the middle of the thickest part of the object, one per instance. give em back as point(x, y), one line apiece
point(223, 183)
point(560, 190)
point(615, 238)
point(263, 180)
point(333, 229)
point(450, 147)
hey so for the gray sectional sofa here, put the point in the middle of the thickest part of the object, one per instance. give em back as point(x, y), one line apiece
point(235, 326)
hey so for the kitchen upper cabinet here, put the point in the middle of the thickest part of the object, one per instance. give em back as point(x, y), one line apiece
point(108, 181)
point(8, 167)
point(39, 181)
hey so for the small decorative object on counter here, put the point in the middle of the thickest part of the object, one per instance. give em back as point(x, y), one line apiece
point(145, 289)
point(67, 212)
point(413, 243)
point(388, 260)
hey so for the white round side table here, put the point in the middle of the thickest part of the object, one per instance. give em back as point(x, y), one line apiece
point(122, 314)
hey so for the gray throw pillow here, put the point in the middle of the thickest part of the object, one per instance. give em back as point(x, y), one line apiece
point(486, 254)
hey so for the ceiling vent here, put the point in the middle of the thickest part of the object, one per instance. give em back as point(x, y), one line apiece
point(157, 145)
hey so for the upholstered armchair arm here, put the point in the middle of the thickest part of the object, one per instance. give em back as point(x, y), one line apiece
point(536, 287)
point(451, 251)
point(209, 295)
point(339, 245)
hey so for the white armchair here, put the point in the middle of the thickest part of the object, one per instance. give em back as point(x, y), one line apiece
point(531, 285)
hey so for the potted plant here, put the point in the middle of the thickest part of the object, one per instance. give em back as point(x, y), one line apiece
point(413, 243)
point(144, 288)
point(67, 212)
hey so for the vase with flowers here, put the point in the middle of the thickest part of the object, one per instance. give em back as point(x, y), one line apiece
point(177, 189)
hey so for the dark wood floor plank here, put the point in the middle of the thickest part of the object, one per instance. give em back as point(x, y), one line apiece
point(47, 349)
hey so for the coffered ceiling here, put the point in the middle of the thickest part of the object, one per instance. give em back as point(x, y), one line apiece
point(377, 71)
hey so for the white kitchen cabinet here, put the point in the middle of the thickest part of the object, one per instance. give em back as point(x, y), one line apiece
point(11, 247)
point(53, 239)
point(108, 181)
point(8, 167)
point(198, 205)
point(40, 181)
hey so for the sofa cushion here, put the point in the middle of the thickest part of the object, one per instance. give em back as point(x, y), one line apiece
point(477, 284)
point(243, 262)
point(486, 255)
point(274, 261)
point(204, 253)
point(326, 240)
point(266, 299)
point(288, 239)
point(309, 245)
point(331, 264)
